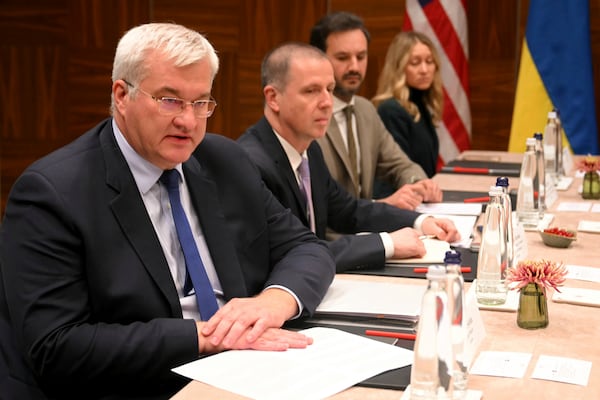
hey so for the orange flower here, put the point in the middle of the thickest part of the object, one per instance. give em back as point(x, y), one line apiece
point(544, 273)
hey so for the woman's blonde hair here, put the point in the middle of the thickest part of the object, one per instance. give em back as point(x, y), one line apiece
point(392, 81)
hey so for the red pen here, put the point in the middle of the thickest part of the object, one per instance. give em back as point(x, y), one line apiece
point(484, 199)
point(480, 171)
point(395, 335)
point(424, 270)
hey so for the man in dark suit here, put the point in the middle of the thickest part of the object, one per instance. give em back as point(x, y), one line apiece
point(298, 82)
point(93, 270)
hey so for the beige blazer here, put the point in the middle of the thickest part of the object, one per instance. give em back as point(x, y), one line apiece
point(380, 155)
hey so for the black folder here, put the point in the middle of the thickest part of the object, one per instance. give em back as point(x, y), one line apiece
point(494, 168)
point(459, 196)
point(468, 258)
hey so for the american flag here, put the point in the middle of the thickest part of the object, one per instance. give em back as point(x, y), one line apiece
point(445, 23)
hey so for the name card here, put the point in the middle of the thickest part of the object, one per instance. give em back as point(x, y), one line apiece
point(519, 241)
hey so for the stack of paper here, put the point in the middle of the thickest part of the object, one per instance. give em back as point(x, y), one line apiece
point(370, 299)
point(343, 360)
point(435, 253)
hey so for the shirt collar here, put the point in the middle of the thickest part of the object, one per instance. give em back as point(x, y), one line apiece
point(292, 154)
point(339, 105)
point(144, 172)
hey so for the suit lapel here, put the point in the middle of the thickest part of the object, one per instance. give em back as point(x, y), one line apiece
point(205, 198)
point(131, 215)
point(274, 148)
point(365, 138)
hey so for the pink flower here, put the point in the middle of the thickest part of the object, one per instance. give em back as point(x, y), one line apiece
point(588, 164)
point(544, 273)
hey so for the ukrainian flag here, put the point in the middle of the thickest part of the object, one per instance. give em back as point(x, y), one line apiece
point(556, 72)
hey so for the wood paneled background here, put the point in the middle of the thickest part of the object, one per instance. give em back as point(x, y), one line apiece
point(56, 60)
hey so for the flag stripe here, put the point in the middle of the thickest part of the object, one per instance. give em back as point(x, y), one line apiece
point(458, 18)
point(444, 22)
point(455, 124)
point(560, 56)
point(531, 104)
point(443, 28)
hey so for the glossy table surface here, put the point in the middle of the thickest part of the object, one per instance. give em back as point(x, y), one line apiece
point(573, 330)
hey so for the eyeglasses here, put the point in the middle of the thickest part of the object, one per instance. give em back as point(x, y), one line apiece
point(170, 106)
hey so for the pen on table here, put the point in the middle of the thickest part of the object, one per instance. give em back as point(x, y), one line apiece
point(479, 171)
point(395, 335)
point(464, 270)
point(483, 199)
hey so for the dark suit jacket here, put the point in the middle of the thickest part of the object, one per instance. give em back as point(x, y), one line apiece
point(419, 140)
point(89, 291)
point(334, 207)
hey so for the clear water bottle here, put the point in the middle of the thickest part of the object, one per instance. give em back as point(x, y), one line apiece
point(492, 261)
point(431, 371)
point(502, 182)
point(539, 185)
point(560, 168)
point(455, 284)
point(552, 141)
point(526, 209)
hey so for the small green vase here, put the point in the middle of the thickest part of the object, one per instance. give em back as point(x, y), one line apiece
point(591, 185)
point(533, 307)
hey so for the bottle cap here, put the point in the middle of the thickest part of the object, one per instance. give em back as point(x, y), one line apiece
point(530, 141)
point(452, 257)
point(538, 135)
point(502, 181)
point(495, 191)
point(436, 272)
point(552, 114)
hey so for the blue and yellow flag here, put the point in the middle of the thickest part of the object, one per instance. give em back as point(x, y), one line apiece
point(556, 72)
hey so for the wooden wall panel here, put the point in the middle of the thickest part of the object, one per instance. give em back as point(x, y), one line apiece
point(242, 32)
point(56, 61)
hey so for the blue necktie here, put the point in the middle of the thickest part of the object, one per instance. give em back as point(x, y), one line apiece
point(207, 302)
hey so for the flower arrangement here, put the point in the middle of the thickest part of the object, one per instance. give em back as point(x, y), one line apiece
point(588, 164)
point(544, 273)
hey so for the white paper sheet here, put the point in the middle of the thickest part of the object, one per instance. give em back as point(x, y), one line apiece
point(589, 226)
point(501, 363)
point(579, 296)
point(435, 253)
point(374, 299)
point(464, 224)
point(450, 208)
point(562, 369)
point(583, 273)
point(334, 362)
point(579, 206)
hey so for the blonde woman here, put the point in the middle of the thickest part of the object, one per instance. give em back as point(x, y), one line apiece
point(409, 97)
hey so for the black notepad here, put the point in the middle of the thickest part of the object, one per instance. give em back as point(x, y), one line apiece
point(495, 168)
point(459, 196)
point(468, 258)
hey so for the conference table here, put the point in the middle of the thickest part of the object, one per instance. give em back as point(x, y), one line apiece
point(572, 331)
